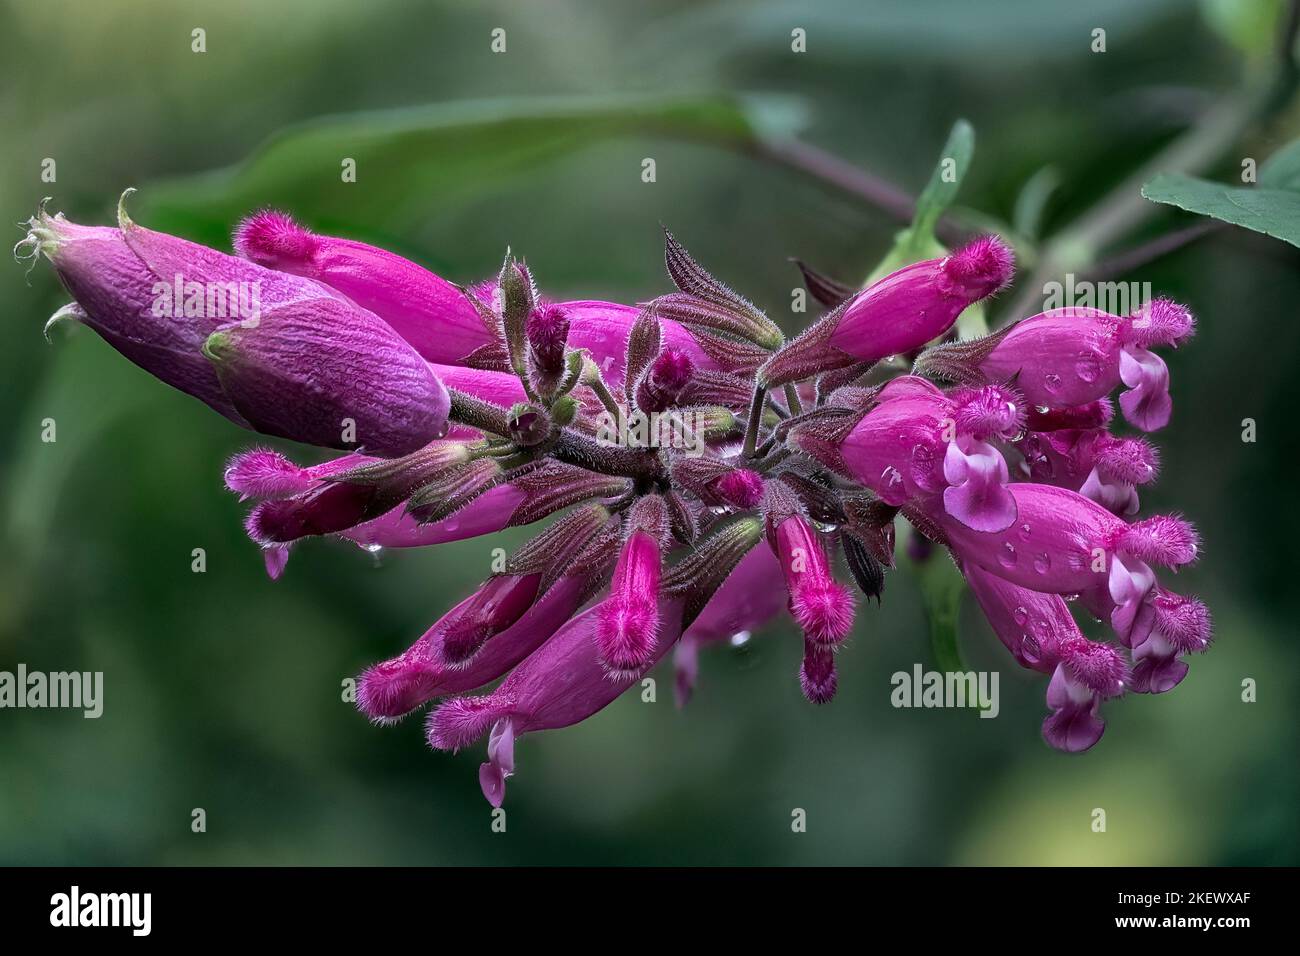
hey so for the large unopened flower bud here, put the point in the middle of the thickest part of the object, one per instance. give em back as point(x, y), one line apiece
point(327, 373)
point(156, 298)
point(901, 312)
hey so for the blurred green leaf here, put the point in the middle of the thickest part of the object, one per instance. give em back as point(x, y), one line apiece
point(918, 241)
point(1249, 25)
point(1032, 201)
point(412, 161)
point(992, 31)
point(941, 589)
point(1282, 169)
point(1274, 212)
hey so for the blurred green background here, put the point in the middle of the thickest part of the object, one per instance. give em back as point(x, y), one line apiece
point(222, 689)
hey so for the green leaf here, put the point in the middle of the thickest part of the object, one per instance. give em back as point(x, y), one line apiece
point(1274, 212)
point(945, 181)
point(415, 163)
point(1282, 169)
point(918, 241)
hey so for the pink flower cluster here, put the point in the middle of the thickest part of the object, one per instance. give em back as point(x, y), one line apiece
point(460, 411)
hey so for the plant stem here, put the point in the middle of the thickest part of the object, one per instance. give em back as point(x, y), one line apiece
point(752, 423)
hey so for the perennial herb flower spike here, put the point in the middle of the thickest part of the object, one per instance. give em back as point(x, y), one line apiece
point(704, 474)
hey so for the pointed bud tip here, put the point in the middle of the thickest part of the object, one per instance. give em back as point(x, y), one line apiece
point(1183, 621)
point(824, 610)
point(124, 221)
point(1161, 322)
point(740, 488)
point(993, 411)
point(1132, 460)
point(462, 720)
point(263, 473)
point(1099, 667)
point(982, 266)
point(1164, 539)
point(272, 238)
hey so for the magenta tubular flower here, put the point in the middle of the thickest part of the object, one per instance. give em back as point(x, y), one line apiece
point(560, 684)
point(1042, 635)
point(1073, 356)
point(310, 366)
point(917, 441)
point(435, 316)
point(1094, 463)
point(920, 302)
point(820, 605)
point(1182, 626)
point(900, 313)
point(392, 689)
point(1064, 543)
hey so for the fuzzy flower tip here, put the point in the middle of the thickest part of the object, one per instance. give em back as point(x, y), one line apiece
point(272, 238)
point(981, 267)
point(1166, 540)
point(820, 605)
point(1182, 626)
point(1134, 461)
point(1160, 322)
point(262, 473)
point(990, 412)
point(1088, 672)
point(741, 488)
point(817, 677)
point(629, 618)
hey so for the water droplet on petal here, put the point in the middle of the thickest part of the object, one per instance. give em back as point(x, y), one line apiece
point(1007, 557)
point(739, 639)
point(1052, 382)
point(1088, 368)
point(1021, 615)
point(1029, 648)
point(1042, 563)
point(1025, 531)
